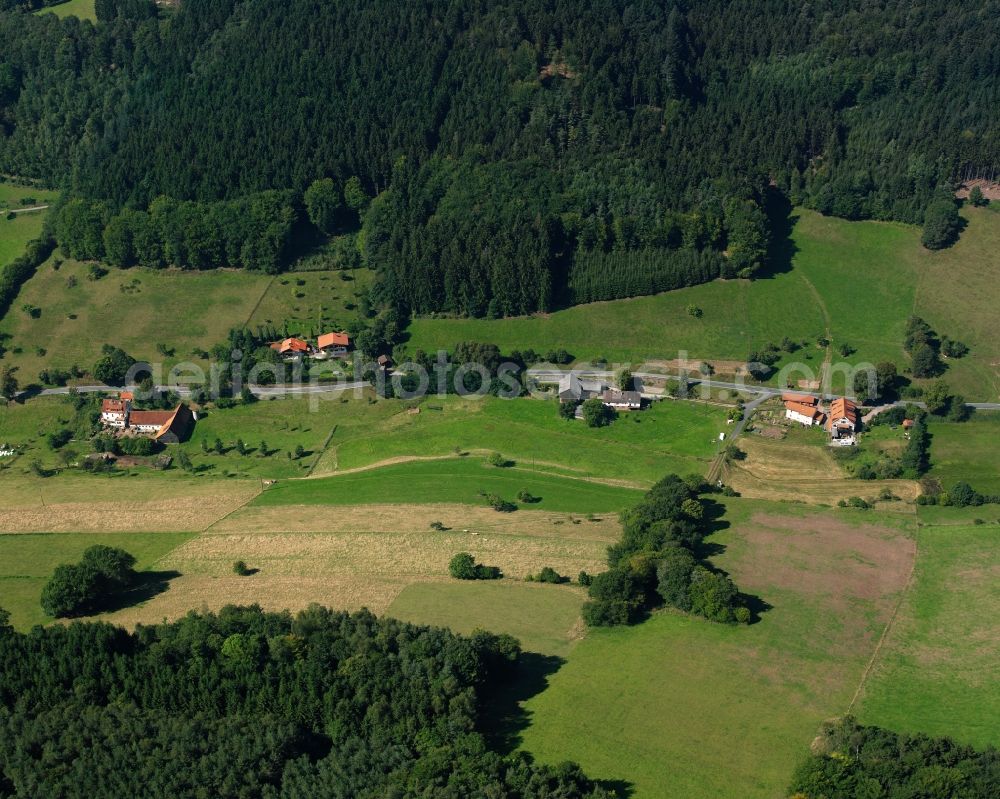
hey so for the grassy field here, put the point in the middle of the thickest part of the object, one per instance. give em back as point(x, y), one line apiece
point(545, 618)
point(452, 480)
point(860, 280)
point(135, 309)
point(27, 562)
point(967, 451)
point(937, 670)
point(680, 707)
point(801, 468)
point(639, 447)
point(17, 232)
point(314, 302)
point(84, 9)
point(343, 432)
point(139, 309)
point(282, 424)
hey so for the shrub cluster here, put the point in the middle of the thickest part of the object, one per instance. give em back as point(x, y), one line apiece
point(960, 495)
point(655, 561)
point(464, 567)
point(76, 588)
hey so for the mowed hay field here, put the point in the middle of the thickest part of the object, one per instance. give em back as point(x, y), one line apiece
point(680, 707)
point(129, 501)
point(27, 562)
point(364, 556)
point(937, 673)
point(860, 280)
point(135, 309)
point(801, 468)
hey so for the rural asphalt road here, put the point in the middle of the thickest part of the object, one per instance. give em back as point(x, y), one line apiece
point(541, 375)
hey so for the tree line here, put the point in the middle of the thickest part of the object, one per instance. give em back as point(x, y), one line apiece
point(244, 703)
point(852, 760)
point(253, 232)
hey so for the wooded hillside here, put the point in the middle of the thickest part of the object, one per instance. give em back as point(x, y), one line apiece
point(505, 139)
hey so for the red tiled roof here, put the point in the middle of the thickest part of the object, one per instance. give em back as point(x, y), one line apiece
point(843, 408)
point(113, 406)
point(290, 345)
point(801, 399)
point(333, 340)
point(149, 418)
point(805, 410)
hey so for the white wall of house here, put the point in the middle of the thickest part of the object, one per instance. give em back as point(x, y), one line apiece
point(801, 418)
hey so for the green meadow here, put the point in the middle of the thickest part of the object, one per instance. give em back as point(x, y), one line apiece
point(16, 232)
point(455, 479)
point(967, 451)
point(858, 280)
point(937, 671)
point(135, 309)
point(84, 9)
point(544, 618)
point(28, 559)
point(669, 436)
point(680, 707)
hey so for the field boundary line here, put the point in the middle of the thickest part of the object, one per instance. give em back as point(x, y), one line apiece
point(888, 627)
point(226, 515)
point(322, 451)
point(260, 300)
point(194, 535)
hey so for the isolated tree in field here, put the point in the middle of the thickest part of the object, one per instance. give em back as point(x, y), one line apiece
point(262, 449)
point(597, 414)
point(113, 366)
point(74, 588)
point(299, 451)
point(976, 197)
point(941, 225)
point(8, 382)
point(323, 202)
point(464, 567)
point(241, 447)
point(925, 361)
point(218, 447)
point(184, 461)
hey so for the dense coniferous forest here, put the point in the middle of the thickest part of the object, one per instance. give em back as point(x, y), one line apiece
point(513, 148)
point(252, 704)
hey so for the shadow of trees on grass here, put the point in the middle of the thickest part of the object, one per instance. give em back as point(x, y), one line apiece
point(147, 585)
